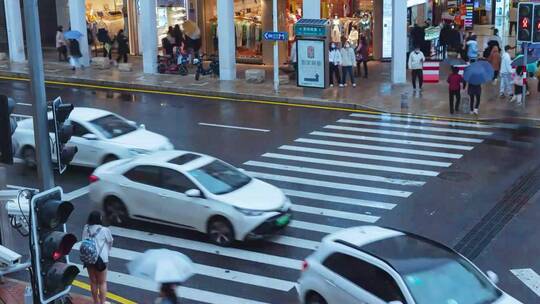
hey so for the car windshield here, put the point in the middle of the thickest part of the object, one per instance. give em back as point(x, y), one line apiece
point(219, 177)
point(112, 126)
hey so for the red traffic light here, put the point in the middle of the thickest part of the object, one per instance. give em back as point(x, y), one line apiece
point(525, 23)
point(57, 244)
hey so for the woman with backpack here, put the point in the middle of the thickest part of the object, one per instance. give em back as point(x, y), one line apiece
point(95, 247)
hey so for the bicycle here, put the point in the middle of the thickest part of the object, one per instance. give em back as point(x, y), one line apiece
point(213, 68)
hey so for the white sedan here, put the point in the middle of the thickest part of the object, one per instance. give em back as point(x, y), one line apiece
point(100, 137)
point(190, 190)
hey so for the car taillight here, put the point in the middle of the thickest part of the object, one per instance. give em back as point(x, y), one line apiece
point(304, 265)
point(92, 178)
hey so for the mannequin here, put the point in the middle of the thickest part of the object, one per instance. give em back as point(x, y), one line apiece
point(336, 30)
point(353, 37)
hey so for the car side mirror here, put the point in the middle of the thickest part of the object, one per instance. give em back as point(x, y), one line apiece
point(193, 193)
point(90, 136)
point(493, 277)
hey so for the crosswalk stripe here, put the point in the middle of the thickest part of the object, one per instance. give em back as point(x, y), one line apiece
point(341, 186)
point(294, 242)
point(208, 248)
point(314, 227)
point(406, 134)
point(339, 199)
point(215, 272)
point(394, 141)
point(414, 127)
point(528, 277)
point(335, 213)
point(351, 164)
point(189, 293)
point(367, 156)
point(372, 178)
point(379, 148)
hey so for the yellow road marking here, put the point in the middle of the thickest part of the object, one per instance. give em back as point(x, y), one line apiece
point(111, 296)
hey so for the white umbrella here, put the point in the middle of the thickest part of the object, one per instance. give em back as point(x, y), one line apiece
point(162, 266)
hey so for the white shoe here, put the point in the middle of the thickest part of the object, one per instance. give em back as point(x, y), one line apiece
point(528, 93)
point(476, 111)
point(471, 112)
point(341, 85)
point(519, 103)
point(331, 85)
point(344, 84)
point(354, 85)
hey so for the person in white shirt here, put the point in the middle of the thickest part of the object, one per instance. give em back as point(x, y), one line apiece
point(98, 272)
point(505, 86)
point(61, 46)
point(416, 64)
point(334, 58)
point(519, 81)
point(348, 60)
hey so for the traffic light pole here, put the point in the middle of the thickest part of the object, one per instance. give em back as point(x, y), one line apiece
point(37, 82)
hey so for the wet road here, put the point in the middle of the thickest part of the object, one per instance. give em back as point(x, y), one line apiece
point(432, 177)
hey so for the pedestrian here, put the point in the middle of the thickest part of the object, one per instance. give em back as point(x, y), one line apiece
point(334, 59)
point(123, 46)
point(178, 36)
point(61, 44)
point(475, 92)
point(353, 37)
point(505, 86)
point(519, 80)
point(167, 294)
point(472, 49)
point(348, 61)
point(513, 19)
point(74, 54)
point(103, 240)
point(444, 39)
point(494, 39)
point(362, 56)
point(454, 89)
point(495, 60)
point(416, 64)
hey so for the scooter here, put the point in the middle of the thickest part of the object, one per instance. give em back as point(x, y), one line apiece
point(213, 68)
point(168, 65)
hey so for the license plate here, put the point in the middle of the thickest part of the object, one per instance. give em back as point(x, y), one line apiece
point(283, 220)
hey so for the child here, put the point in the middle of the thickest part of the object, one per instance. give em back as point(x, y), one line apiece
point(454, 85)
point(519, 84)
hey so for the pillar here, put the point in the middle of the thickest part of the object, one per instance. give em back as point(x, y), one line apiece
point(311, 9)
point(62, 13)
point(148, 34)
point(399, 41)
point(377, 29)
point(226, 41)
point(14, 30)
point(77, 17)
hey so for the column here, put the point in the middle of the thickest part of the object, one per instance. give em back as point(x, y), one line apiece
point(311, 9)
point(377, 29)
point(148, 35)
point(62, 13)
point(14, 30)
point(77, 17)
point(399, 41)
point(226, 41)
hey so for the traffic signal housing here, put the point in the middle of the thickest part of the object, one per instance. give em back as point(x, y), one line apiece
point(8, 125)
point(51, 245)
point(63, 131)
point(525, 22)
point(536, 23)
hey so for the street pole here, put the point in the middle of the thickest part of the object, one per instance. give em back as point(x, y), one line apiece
point(276, 48)
point(525, 50)
point(37, 83)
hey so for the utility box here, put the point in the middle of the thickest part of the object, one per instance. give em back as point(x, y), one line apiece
point(312, 40)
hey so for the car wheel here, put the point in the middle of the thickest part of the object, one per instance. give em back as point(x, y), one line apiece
point(115, 212)
point(220, 232)
point(108, 159)
point(29, 157)
point(315, 298)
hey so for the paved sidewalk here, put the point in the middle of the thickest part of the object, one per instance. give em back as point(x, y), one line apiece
point(12, 292)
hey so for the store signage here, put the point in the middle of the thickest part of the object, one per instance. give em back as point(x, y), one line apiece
point(309, 30)
point(278, 36)
point(469, 12)
point(311, 60)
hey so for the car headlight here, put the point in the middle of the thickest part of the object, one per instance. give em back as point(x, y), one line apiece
point(250, 212)
point(136, 152)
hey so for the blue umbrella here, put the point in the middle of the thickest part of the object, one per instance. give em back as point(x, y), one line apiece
point(73, 35)
point(478, 73)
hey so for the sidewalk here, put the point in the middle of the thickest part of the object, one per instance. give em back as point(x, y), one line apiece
point(12, 292)
point(376, 93)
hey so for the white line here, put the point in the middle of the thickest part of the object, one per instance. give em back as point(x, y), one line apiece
point(215, 272)
point(368, 156)
point(341, 186)
point(208, 248)
point(24, 104)
point(21, 116)
point(379, 148)
point(335, 213)
point(232, 127)
point(294, 242)
point(395, 141)
point(406, 134)
point(21, 187)
point(339, 199)
point(414, 127)
point(182, 291)
point(529, 277)
point(372, 178)
point(314, 227)
point(351, 164)
point(75, 194)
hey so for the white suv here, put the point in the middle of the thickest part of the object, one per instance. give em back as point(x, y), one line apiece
point(375, 265)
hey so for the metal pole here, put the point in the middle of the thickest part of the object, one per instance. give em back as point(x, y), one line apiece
point(37, 83)
point(276, 48)
point(525, 49)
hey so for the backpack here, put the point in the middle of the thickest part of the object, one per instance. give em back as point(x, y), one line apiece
point(88, 250)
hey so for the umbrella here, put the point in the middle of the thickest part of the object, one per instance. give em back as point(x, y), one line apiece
point(162, 266)
point(73, 35)
point(454, 61)
point(191, 29)
point(478, 73)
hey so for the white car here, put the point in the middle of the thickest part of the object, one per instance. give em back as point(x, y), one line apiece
point(100, 136)
point(190, 190)
point(375, 265)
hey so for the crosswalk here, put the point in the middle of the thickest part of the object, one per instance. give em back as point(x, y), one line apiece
point(352, 172)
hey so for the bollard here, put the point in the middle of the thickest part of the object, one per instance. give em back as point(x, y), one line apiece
point(404, 101)
point(28, 295)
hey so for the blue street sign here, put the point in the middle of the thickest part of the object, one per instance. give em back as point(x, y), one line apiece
point(279, 36)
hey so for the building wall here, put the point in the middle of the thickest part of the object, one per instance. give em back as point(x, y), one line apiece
point(48, 22)
point(3, 29)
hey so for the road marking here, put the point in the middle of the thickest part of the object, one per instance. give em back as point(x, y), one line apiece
point(367, 156)
point(21, 188)
point(405, 134)
point(24, 104)
point(372, 178)
point(232, 127)
point(351, 164)
point(110, 295)
point(215, 272)
point(339, 199)
point(414, 127)
point(335, 213)
point(76, 194)
point(21, 116)
point(394, 141)
point(208, 248)
point(529, 277)
point(198, 295)
point(332, 185)
point(314, 227)
point(378, 148)
point(294, 242)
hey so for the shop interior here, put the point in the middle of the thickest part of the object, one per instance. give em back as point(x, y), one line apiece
point(105, 14)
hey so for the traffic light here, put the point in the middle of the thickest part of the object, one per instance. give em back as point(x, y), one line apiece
point(63, 132)
point(525, 20)
point(51, 244)
point(8, 125)
point(536, 23)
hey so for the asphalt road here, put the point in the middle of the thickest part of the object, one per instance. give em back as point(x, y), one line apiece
point(341, 169)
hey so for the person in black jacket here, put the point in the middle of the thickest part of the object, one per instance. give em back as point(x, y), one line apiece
point(444, 39)
point(123, 47)
point(75, 54)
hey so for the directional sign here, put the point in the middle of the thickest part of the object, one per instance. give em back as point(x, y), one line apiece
point(279, 36)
